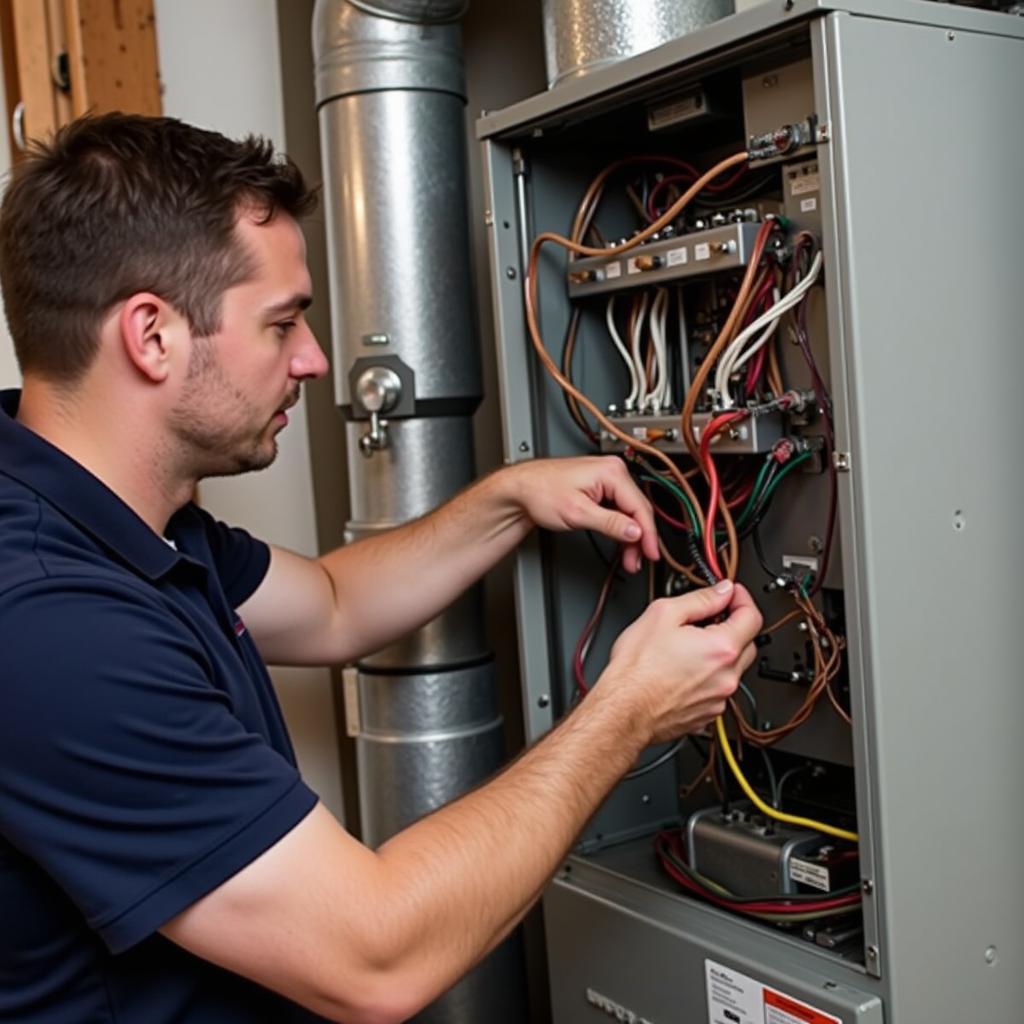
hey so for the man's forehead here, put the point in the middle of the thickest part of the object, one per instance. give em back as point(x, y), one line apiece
point(277, 251)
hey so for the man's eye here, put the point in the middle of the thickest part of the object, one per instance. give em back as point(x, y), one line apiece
point(284, 326)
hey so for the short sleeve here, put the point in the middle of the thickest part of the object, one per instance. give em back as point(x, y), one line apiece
point(239, 559)
point(123, 772)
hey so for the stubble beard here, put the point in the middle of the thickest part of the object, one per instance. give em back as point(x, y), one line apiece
point(213, 426)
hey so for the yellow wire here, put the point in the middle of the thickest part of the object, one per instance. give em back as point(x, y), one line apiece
point(792, 819)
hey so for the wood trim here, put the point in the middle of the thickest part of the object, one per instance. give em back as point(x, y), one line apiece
point(9, 57)
point(32, 42)
point(113, 56)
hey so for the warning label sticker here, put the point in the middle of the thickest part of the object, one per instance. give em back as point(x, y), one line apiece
point(809, 873)
point(733, 998)
point(780, 1009)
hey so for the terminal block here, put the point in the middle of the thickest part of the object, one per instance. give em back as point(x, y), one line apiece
point(694, 254)
point(753, 436)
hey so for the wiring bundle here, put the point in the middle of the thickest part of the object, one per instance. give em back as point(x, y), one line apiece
point(708, 505)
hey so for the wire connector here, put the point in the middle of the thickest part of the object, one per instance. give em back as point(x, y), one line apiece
point(783, 140)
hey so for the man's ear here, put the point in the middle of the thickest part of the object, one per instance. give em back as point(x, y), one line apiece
point(153, 334)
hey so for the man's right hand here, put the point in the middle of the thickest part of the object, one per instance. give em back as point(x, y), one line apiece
point(674, 675)
point(373, 936)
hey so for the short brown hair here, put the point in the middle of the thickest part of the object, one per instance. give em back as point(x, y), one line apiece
point(119, 204)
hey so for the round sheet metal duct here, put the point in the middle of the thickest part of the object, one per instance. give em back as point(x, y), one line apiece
point(425, 12)
point(583, 35)
point(390, 95)
point(423, 740)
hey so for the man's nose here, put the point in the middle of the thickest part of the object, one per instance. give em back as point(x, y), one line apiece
point(309, 362)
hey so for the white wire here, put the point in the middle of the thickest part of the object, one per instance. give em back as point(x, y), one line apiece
point(634, 390)
point(731, 360)
point(659, 320)
point(756, 347)
point(638, 363)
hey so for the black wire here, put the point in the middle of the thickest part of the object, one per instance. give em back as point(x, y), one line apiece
point(606, 559)
point(698, 560)
point(755, 536)
point(824, 401)
point(747, 191)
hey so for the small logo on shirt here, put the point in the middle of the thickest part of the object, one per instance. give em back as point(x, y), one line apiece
point(239, 627)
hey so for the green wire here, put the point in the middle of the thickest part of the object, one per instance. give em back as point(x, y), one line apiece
point(786, 470)
point(754, 494)
point(680, 494)
point(757, 496)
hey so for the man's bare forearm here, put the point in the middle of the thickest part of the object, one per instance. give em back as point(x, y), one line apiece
point(372, 937)
point(392, 583)
point(477, 865)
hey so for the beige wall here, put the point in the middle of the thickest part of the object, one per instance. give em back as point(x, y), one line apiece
point(220, 62)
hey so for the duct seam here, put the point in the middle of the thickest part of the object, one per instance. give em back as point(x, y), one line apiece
point(370, 736)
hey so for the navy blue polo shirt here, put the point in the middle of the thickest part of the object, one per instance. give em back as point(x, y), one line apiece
point(143, 756)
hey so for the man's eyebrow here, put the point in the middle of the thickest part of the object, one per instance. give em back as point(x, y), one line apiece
point(300, 300)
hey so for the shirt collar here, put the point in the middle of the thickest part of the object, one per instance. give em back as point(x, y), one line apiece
point(80, 496)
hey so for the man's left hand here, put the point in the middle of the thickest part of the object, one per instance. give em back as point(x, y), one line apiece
point(588, 493)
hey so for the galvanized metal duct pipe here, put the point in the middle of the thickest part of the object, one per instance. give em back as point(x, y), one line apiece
point(583, 35)
point(390, 96)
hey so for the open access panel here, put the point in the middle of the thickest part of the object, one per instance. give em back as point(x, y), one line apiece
point(785, 289)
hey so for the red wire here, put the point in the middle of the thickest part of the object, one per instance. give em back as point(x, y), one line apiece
point(762, 907)
point(780, 906)
point(754, 369)
point(710, 552)
point(671, 520)
point(672, 179)
point(662, 514)
point(758, 306)
point(692, 174)
point(741, 495)
point(589, 629)
point(729, 182)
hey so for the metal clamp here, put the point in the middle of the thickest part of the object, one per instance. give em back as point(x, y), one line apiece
point(378, 390)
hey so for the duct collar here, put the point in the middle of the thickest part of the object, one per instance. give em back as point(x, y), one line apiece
point(425, 12)
point(356, 51)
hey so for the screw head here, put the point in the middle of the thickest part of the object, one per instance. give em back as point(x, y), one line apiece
point(524, 446)
point(872, 952)
point(543, 700)
point(991, 955)
point(510, 273)
point(867, 886)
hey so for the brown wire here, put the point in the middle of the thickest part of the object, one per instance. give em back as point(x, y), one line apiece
point(567, 353)
point(744, 297)
point(825, 670)
point(530, 296)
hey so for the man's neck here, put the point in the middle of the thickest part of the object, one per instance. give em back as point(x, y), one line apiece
point(115, 446)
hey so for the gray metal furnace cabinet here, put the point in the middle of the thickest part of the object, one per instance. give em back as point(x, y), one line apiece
point(920, 117)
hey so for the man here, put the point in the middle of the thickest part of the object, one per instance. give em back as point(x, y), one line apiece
point(160, 859)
